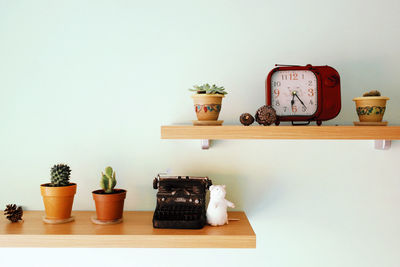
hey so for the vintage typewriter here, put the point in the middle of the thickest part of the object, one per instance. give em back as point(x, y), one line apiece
point(181, 202)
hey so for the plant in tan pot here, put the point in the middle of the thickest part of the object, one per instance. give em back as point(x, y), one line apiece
point(371, 107)
point(109, 201)
point(207, 103)
point(58, 196)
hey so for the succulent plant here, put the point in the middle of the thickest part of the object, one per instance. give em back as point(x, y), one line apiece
point(108, 180)
point(60, 174)
point(372, 93)
point(208, 89)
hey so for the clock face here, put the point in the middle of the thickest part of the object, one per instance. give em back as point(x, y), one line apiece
point(294, 93)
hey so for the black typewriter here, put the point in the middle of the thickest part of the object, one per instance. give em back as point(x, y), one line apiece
point(181, 202)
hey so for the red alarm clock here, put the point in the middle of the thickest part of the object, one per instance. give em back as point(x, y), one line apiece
point(303, 93)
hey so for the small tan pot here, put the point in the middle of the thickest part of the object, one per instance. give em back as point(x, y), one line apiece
point(370, 108)
point(109, 207)
point(58, 201)
point(207, 106)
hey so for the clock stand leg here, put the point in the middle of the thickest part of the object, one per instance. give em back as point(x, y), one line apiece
point(319, 123)
point(277, 122)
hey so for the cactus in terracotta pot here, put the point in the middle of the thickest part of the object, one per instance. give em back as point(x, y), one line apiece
point(58, 195)
point(109, 201)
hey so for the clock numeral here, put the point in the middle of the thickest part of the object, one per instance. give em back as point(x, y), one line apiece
point(311, 103)
point(276, 84)
point(294, 109)
point(310, 92)
point(284, 77)
point(302, 76)
point(284, 109)
point(276, 92)
point(303, 108)
point(309, 83)
point(293, 76)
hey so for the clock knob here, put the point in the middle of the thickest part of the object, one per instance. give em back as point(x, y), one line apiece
point(332, 81)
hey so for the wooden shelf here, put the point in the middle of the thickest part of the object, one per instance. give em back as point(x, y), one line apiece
point(281, 132)
point(136, 231)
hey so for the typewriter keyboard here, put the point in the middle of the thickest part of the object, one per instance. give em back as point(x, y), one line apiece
point(179, 213)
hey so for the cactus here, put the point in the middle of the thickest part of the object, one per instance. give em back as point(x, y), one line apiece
point(60, 174)
point(372, 93)
point(108, 180)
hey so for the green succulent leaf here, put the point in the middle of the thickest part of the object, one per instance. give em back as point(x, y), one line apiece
point(208, 89)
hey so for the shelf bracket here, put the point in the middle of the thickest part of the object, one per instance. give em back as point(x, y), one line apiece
point(383, 144)
point(205, 144)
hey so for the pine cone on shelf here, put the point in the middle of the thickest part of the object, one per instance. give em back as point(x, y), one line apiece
point(13, 213)
point(246, 119)
point(265, 115)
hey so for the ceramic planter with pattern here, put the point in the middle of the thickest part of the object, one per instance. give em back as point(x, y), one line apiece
point(207, 106)
point(370, 108)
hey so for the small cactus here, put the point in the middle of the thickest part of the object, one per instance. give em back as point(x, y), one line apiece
point(108, 180)
point(60, 174)
point(372, 93)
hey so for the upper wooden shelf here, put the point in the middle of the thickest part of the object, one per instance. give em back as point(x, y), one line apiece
point(281, 132)
point(136, 231)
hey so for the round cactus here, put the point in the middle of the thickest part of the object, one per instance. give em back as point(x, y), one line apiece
point(60, 174)
point(372, 93)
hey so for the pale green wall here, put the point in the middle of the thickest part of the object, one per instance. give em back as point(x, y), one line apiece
point(89, 83)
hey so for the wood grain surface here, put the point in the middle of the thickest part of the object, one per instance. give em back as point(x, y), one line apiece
point(281, 132)
point(135, 231)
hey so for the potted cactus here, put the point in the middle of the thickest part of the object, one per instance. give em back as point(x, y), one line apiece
point(371, 106)
point(58, 195)
point(207, 101)
point(109, 201)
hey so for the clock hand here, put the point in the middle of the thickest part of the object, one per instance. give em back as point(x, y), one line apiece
point(292, 102)
point(300, 100)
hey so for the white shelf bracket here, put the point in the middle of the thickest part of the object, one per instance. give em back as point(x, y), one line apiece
point(383, 144)
point(205, 144)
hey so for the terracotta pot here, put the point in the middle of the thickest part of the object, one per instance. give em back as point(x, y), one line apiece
point(207, 106)
point(109, 207)
point(58, 200)
point(370, 108)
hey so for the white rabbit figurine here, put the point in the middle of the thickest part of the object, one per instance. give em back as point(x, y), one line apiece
point(216, 210)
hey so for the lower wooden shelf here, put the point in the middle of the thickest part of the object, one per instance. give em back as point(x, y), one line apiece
point(136, 231)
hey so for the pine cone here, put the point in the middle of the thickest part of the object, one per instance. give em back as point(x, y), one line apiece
point(13, 213)
point(246, 119)
point(266, 115)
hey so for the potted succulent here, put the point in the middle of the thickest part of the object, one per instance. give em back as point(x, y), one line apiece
point(58, 195)
point(109, 201)
point(207, 101)
point(371, 106)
